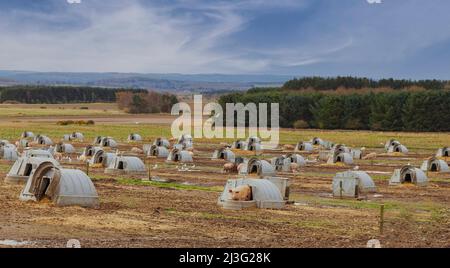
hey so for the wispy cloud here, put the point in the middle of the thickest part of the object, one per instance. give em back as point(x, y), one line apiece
point(203, 36)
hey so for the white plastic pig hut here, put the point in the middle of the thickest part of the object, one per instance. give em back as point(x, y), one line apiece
point(65, 187)
point(264, 194)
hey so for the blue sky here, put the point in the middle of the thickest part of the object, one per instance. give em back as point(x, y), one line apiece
point(395, 38)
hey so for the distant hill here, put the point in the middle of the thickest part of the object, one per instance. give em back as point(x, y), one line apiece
point(161, 82)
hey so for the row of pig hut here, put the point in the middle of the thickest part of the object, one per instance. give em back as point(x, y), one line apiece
point(257, 184)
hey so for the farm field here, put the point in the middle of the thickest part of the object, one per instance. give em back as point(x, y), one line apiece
point(184, 213)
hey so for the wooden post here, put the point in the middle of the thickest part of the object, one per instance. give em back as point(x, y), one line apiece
point(87, 168)
point(381, 218)
point(341, 189)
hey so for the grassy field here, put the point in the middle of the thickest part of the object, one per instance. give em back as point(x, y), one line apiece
point(184, 213)
point(43, 110)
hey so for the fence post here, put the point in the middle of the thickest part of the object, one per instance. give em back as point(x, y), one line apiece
point(87, 168)
point(381, 218)
point(341, 189)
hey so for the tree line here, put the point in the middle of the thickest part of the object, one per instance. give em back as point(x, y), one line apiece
point(148, 102)
point(347, 82)
point(388, 111)
point(58, 94)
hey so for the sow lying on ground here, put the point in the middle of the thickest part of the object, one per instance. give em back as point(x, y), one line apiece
point(268, 193)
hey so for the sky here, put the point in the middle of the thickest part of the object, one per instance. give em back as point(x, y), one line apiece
point(372, 38)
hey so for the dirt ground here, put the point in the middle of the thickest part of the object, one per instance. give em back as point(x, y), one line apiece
point(185, 213)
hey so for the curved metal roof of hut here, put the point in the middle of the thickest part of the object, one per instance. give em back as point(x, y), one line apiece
point(365, 182)
point(101, 157)
point(304, 146)
point(182, 156)
point(409, 174)
point(389, 143)
point(90, 150)
point(108, 142)
point(24, 143)
point(339, 157)
point(23, 168)
point(66, 187)
point(126, 164)
point(134, 137)
point(65, 148)
point(225, 154)
point(281, 163)
point(443, 152)
point(158, 151)
point(27, 134)
point(4, 142)
point(298, 159)
point(264, 192)
point(98, 140)
point(239, 145)
point(317, 141)
point(8, 153)
point(37, 153)
point(398, 148)
point(258, 167)
point(435, 165)
point(77, 136)
point(253, 140)
point(186, 140)
point(162, 142)
point(44, 140)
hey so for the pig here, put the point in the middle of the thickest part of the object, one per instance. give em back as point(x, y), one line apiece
point(288, 147)
point(294, 167)
point(229, 167)
point(137, 150)
point(370, 156)
point(241, 193)
point(58, 156)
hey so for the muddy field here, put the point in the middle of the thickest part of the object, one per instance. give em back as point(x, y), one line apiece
point(184, 213)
